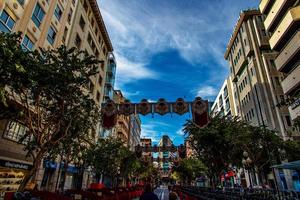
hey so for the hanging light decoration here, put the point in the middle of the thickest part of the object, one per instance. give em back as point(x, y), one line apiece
point(180, 106)
point(162, 107)
point(144, 107)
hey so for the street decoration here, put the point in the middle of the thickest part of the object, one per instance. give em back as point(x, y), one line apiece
point(144, 107)
point(126, 108)
point(162, 107)
point(109, 115)
point(180, 106)
point(198, 108)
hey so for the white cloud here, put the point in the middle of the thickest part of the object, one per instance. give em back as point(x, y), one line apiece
point(207, 92)
point(180, 132)
point(128, 71)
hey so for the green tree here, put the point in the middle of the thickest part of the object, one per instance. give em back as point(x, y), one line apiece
point(213, 143)
point(47, 88)
point(189, 169)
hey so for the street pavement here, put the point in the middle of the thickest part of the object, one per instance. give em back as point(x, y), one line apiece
point(162, 192)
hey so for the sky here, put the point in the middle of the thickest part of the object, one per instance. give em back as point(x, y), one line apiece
point(170, 49)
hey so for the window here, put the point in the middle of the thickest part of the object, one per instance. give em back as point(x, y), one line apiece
point(98, 96)
point(6, 22)
point(89, 39)
point(263, 31)
point(91, 87)
point(38, 15)
point(252, 111)
point(51, 35)
point(82, 23)
point(77, 41)
point(70, 15)
point(97, 53)
point(65, 34)
point(21, 2)
point(15, 131)
point(58, 12)
point(252, 73)
point(100, 80)
point(73, 2)
point(92, 22)
point(85, 6)
point(102, 65)
point(27, 44)
point(288, 120)
point(277, 81)
point(273, 64)
point(245, 42)
point(104, 50)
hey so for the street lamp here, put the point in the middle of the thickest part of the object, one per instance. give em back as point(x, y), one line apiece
point(247, 162)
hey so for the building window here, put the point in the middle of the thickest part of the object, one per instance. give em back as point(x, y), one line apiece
point(77, 41)
point(51, 35)
point(15, 131)
point(65, 34)
point(288, 120)
point(85, 6)
point(264, 33)
point(91, 87)
point(27, 44)
point(97, 54)
point(21, 2)
point(245, 42)
point(38, 15)
point(98, 96)
point(104, 50)
point(58, 12)
point(92, 22)
point(277, 81)
point(100, 80)
point(6, 22)
point(73, 2)
point(70, 15)
point(82, 23)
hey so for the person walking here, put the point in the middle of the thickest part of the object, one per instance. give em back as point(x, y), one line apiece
point(148, 193)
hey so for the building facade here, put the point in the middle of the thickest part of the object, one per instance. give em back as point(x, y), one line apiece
point(135, 131)
point(49, 24)
point(146, 142)
point(110, 77)
point(282, 23)
point(224, 104)
point(122, 129)
point(256, 81)
point(165, 166)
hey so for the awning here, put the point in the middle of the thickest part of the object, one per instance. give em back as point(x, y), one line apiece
point(295, 165)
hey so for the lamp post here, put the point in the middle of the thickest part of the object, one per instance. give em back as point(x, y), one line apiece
point(247, 162)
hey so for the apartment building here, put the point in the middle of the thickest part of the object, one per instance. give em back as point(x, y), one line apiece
point(134, 132)
point(121, 130)
point(224, 104)
point(110, 77)
point(256, 81)
point(146, 142)
point(49, 24)
point(282, 23)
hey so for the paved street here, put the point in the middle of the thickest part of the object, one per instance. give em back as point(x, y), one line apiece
point(162, 193)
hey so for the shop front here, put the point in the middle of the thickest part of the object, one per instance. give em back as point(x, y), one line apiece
point(11, 175)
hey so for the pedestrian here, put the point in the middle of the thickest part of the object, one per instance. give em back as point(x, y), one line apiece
point(173, 196)
point(148, 193)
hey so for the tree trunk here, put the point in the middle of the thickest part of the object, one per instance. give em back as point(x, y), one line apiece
point(30, 176)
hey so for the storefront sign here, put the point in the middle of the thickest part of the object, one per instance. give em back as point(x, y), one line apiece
point(10, 164)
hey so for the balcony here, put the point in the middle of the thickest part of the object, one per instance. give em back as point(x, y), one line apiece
point(111, 68)
point(289, 55)
point(292, 81)
point(294, 109)
point(265, 6)
point(287, 27)
point(110, 80)
point(277, 12)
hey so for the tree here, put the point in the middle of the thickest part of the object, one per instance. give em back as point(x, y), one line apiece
point(189, 169)
point(213, 143)
point(48, 90)
point(106, 157)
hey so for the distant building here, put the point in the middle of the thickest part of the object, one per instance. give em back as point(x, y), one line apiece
point(165, 141)
point(146, 142)
point(224, 104)
point(256, 81)
point(110, 77)
point(282, 25)
point(134, 131)
point(122, 129)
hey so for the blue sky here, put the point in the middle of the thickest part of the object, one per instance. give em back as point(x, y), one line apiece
point(170, 49)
